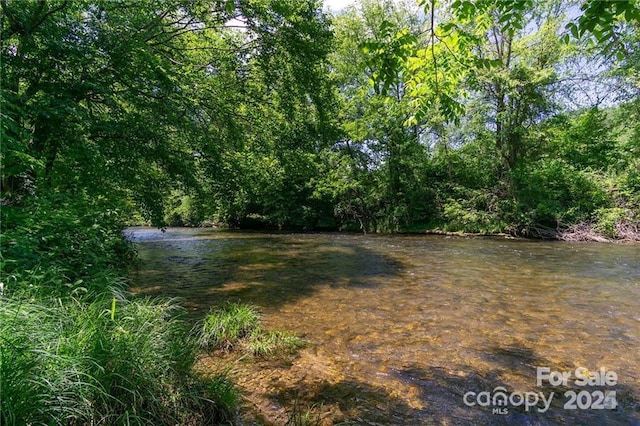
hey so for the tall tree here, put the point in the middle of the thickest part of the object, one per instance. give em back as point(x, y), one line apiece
point(385, 152)
point(97, 89)
point(131, 99)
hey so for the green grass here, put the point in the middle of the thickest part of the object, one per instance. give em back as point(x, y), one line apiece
point(236, 325)
point(273, 343)
point(70, 362)
point(76, 350)
point(225, 326)
point(304, 417)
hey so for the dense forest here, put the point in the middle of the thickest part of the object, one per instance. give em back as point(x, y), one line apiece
point(481, 117)
point(489, 116)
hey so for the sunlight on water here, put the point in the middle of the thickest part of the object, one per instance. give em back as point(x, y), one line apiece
point(404, 326)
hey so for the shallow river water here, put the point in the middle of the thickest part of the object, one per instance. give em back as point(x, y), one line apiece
point(415, 329)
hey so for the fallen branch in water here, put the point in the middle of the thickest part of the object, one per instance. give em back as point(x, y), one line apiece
point(542, 232)
point(627, 231)
point(583, 231)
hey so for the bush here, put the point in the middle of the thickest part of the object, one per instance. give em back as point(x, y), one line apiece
point(608, 218)
point(67, 240)
point(551, 192)
point(467, 216)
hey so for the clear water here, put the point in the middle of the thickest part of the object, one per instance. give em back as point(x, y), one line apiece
point(402, 327)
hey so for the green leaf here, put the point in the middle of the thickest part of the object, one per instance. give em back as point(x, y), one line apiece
point(505, 17)
point(230, 6)
point(574, 29)
point(632, 13)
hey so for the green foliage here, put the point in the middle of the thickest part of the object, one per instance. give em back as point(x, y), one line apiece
point(56, 245)
point(472, 214)
point(73, 363)
point(604, 21)
point(174, 112)
point(73, 352)
point(111, 109)
point(587, 141)
point(374, 175)
point(233, 325)
point(95, 88)
point(608, 218)
point(270, 117)
point(380, 119)
point(184, 209)
point(226, 325)
point(553, 193)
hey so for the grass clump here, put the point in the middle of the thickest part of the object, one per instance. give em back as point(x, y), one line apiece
point(225, 326)
point(303, 417)
point(270, 343)
point(237, 325)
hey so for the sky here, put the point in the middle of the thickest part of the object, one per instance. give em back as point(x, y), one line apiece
point(336, 5)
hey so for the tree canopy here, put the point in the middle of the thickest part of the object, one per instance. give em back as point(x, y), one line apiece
point(388, 116)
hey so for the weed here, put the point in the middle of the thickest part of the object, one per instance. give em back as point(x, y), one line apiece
point(239, 325)
point(300, 417)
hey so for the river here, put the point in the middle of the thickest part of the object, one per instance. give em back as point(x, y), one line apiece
point(419, 329)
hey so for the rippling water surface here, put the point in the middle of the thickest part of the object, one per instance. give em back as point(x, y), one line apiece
point(403, 327)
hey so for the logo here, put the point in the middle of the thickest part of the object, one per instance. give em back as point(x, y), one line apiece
point(591, 395)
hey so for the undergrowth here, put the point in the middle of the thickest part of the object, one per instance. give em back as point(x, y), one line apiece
point(108, 361)
point(75, 349)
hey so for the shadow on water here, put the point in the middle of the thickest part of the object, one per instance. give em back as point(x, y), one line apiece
point(436, 395)
point(442, 391)
point(268, 271)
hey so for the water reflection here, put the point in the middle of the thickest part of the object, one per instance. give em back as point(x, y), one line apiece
point(404, 326)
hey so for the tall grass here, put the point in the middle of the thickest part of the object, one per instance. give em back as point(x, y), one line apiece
point(74, 350)
point(69, 362)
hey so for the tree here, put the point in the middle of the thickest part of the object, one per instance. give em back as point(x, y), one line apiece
point(385, 188)
point(130, 100)
point(283, 106)
point(95, 86)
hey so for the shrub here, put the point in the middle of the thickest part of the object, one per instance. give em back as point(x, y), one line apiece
point(66, 241)
point(551, 192)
